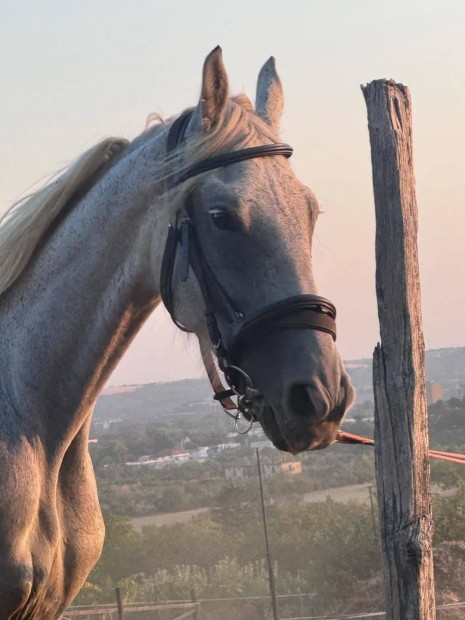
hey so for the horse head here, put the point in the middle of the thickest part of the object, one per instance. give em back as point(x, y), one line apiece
point(245, 285)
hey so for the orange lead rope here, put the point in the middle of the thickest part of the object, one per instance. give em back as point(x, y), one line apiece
point(351, 439)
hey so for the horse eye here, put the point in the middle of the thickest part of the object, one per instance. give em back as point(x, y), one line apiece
point(222, 219)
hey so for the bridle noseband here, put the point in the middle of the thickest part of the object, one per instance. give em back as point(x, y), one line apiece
point(298, 312)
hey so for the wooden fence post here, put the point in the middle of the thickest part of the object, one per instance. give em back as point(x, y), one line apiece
point(119, 604)
point(401, 424)
point(197, 611)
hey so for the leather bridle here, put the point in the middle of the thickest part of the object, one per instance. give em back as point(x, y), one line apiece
point(297, 312)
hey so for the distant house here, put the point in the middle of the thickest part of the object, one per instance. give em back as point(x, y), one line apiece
point(240, 473)
point(199, 454)
point(292, 468)
point(174, 458)
point(434, 392)
point(221, 447)
point(139, 464)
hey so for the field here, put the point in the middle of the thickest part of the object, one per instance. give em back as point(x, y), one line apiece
point(166, 518)
point(358, 492)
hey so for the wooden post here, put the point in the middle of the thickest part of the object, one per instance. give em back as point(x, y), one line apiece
point(401, 425)
point(271, 581)
point(196, 614)
point(119, 604)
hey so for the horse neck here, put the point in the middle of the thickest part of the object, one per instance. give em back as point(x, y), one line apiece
point(73, 312)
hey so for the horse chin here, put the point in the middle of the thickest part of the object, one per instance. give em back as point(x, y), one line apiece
point(315, 436)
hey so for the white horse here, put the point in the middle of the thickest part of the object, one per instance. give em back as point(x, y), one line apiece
point(80, 270)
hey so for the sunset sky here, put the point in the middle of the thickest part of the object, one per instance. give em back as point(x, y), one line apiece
point(73, 72)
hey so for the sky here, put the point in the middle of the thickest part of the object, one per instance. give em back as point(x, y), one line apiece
point(73, 72)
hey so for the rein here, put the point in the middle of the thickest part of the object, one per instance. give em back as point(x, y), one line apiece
point(297, 312)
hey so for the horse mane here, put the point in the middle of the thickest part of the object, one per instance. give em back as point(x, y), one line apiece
point(24, 225)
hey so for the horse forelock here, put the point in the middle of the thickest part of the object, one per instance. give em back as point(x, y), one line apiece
point(238, 127)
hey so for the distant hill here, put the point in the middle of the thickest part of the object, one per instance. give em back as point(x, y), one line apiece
point(446, 366)
point(145, 403)
point(152, 400)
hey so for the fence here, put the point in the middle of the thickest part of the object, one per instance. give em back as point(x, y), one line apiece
point(194, 611)
point(244, 607)
point(110, 611)
point(442, 609)
point(193, 614)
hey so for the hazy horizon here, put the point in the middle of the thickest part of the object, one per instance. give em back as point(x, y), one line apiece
point(72, 74)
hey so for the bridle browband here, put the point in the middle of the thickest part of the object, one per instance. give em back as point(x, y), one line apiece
point(298, 312)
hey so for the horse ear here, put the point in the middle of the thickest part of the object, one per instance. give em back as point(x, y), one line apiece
point(214, 94)
point(270, 95)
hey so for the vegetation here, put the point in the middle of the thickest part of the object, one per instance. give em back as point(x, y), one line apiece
point(323, 548)
point(223, 554)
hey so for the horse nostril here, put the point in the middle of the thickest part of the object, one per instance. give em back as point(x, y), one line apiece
point(304, 399)
point(298, 399)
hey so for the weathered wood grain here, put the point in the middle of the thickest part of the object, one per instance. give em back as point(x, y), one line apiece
point(401, 428)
